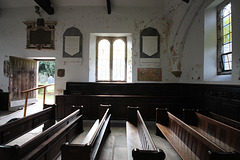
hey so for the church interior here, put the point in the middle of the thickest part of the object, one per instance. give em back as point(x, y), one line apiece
point(120, 79)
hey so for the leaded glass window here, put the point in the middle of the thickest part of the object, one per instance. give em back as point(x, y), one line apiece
point(111, 59)
point(224, 38)
point(103, 65)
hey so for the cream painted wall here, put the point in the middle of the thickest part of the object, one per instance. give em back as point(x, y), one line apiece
point(180, 25)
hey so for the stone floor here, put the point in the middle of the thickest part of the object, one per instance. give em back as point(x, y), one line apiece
point(115, 145)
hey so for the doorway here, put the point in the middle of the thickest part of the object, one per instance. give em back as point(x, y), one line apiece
point(22, 77)
point(45, 76)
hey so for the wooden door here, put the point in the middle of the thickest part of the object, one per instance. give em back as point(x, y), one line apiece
point(23, 76)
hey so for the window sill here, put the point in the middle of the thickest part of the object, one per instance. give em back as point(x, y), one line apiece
point(219, 78)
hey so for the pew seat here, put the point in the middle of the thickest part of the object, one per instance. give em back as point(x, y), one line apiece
point(177, 143)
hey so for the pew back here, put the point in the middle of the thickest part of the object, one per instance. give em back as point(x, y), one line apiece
point(219, 133)
point(220, 118)
point(47, 144)
point(139, 141)
point(17, 128)
point(188, 143)
point(88, 150)
point(146, 140)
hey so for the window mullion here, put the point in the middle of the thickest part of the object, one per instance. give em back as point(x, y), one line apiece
point(111, 60)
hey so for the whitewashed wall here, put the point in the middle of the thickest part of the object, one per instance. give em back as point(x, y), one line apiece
point(180, 25)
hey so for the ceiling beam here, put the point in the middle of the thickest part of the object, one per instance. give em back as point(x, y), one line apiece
point(46, 6)
point(109, 6)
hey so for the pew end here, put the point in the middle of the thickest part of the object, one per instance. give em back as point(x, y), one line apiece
point(150, 154)
point(80, 108)
point(74, 151)
point(224, 155)
point(161, 118)
point(52, 121)
point(9, 152)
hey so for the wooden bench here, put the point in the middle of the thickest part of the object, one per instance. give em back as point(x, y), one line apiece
point(220, 118)
point(47, 144)
point(188, 143)
point(89, 148)
point(139, 142)
point(225, 136)
point(18, 127)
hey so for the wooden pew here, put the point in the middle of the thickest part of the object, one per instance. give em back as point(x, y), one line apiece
point(225, 136)
point(139, 142)
point(220, 118)
point(47, 144)
point(188, 143)
point(18, 127)
point(89, 148)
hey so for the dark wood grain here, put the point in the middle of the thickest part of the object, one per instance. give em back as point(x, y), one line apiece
point(189, 143)
point(223, 135)
point(15, 129)
point(47, 144)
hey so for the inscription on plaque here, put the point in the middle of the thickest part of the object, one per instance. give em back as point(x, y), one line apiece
point(72, 43)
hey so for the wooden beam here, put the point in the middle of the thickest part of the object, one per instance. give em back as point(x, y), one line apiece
point(109, 6)
point(46, 6)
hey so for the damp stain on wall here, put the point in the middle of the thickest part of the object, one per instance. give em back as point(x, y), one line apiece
point(178, 32)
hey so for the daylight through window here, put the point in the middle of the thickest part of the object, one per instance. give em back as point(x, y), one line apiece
point(225, 38)
point(111, 59)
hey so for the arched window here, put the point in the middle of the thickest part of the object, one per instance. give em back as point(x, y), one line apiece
point(103, 62)
point(111, 59)
point(119, 60)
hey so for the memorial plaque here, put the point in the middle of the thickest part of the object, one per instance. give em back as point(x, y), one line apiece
point(149, 44)
point(149, 74)
point(72, 43)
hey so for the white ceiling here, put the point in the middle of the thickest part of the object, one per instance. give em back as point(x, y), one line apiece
point(114, 3)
